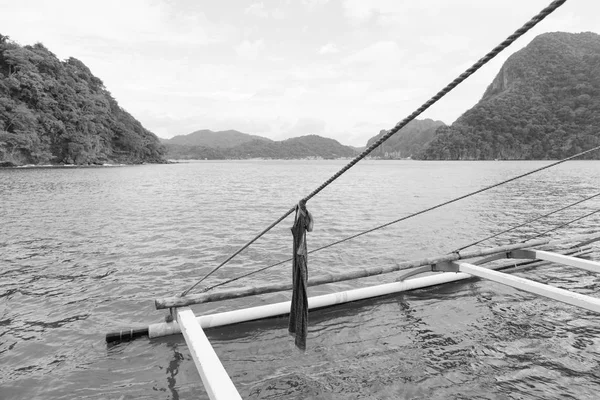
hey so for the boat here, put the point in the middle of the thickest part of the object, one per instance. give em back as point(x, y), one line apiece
point(439, 270)
point(491, 263)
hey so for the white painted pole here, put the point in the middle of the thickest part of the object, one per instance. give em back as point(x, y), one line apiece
point(576, 299)
point(271, 310)
point(216, 381)
point(588, 265)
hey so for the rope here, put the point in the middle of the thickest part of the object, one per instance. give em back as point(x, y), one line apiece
point(507, 42)
point(563, 225)
point(518, 33)
point(414, 215)
point(459, 198)
point(525, 223)
point(284, 216)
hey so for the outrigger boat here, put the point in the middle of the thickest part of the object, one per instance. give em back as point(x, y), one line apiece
point(459, 265)
point(440, 270)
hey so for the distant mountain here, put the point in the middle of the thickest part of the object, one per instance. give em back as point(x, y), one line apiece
point(311, 146)
point(408, 141)
point(58, 112)
point(543, 104)
point(220, 139)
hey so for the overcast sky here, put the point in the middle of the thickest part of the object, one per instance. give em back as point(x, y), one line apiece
point(338, 68)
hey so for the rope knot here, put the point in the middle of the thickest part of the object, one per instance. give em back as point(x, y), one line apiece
point(301, 208)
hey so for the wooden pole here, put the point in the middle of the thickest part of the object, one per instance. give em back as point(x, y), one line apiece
point(171, 302)
point(566, 296)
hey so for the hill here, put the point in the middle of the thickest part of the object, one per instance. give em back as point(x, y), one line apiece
point(408, 141)
point(543, 104)
point(208, 138)
point(310, 146)
point(58, 112)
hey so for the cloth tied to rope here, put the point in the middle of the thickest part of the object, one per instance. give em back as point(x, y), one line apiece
point(298, 323)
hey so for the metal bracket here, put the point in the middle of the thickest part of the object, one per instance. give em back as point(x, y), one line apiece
point(522, 254)
point(171, 316)
point(491, 258)
point(412, 272)
point(445, 266)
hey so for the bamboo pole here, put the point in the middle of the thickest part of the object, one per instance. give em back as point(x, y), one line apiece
point(282, 308)
point(171, 302)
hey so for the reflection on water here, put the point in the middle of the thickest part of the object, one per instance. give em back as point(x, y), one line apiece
point(85, 251)
point(172, 371)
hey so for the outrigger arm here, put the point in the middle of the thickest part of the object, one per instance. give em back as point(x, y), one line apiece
point(563, 295)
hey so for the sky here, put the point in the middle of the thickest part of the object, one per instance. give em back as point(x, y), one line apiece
point(343, 69)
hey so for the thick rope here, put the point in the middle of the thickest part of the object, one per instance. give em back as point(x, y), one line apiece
point(414, 215)
point(525, 223)
point(507, 42)
point(518, 33)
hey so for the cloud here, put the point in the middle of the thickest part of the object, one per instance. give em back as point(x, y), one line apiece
point(250, 50)
point(305, 126)
point(313, 4)
point(259, 10)
point(358, 11)
point(329, 48)
point(376, 53)
point(313, 72)
point(133, 22)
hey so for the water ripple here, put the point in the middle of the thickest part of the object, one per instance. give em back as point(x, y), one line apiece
point(85, 251)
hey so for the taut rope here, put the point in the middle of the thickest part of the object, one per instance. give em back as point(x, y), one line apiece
point(493, 53)
point(526, 223)
point(431, 209)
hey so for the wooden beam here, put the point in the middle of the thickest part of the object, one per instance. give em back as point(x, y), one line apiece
point(575, 299)
point(216, 381)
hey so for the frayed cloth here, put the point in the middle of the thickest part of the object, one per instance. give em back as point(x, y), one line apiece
point(298, 323)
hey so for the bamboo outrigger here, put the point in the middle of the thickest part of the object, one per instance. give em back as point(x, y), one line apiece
point(216, 380)
point(444, 269)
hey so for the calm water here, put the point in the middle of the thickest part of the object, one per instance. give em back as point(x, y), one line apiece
point(84, 251)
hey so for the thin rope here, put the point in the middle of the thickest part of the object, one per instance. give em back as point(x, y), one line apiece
point(284, 216)
point(562, 225)
point(507, 42)
point(459, 198)
point(409, 216)
point(525, 223)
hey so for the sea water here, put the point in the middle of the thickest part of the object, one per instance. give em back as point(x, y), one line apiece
point(85, 251)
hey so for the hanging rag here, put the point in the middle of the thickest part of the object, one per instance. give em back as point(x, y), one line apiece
point(298, 324)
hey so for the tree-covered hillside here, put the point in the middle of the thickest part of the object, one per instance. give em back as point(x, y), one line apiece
point(54, 111)
point(310, 146)
point(219, 139)
point(408, 141)
point(543, 104)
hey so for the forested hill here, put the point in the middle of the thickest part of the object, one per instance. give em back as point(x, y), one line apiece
point(310, 146)
point(208, 138)
point(58, 112)
point(543, 104)
point(408, 141)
